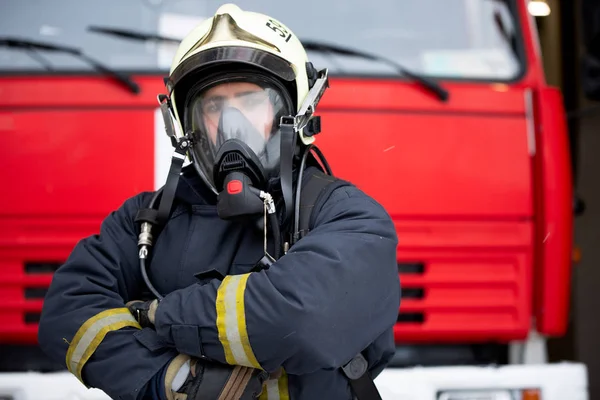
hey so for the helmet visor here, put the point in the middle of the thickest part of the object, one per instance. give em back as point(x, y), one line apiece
point(248, 110)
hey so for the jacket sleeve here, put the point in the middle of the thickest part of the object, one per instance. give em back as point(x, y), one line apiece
point(84, 322)
point(318, 306)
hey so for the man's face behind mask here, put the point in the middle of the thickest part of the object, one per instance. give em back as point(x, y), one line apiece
point(245, 110)
point(250, 99)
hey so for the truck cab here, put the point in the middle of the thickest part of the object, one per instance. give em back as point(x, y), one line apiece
point(439, 109)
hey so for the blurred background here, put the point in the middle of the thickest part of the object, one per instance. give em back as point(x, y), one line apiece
point(445, 111)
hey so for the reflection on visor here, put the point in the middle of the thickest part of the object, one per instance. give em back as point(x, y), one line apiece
point(246, 111)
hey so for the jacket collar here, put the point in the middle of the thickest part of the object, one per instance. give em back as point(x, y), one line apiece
point(192, 190)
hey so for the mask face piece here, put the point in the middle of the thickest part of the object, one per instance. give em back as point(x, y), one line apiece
point(238, 177)
point(234, 125)
point(245, 109)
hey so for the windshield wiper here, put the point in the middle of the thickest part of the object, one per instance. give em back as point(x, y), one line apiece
point(133, 35)
point(427, 83)
point(30, 45)
point(509, 37)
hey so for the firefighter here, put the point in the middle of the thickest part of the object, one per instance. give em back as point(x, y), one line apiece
point(210, 288)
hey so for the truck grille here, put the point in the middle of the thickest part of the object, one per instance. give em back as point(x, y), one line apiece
point(464, 282)
point(463, 300)
point(32, 248)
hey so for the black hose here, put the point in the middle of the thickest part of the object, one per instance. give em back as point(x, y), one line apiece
point(299, 191)
point(155, 197)
point(322, 159)
point(147, 279)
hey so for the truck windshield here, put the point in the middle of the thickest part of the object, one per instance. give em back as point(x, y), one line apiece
point(465, 39)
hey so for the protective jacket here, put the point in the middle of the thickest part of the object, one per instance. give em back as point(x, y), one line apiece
point(335, 294)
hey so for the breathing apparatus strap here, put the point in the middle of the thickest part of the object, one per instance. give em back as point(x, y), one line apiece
point(156, 217)
point(288, 144)
point(181, 147)
point(152, 218)
point(317, 189)
point(168, 195)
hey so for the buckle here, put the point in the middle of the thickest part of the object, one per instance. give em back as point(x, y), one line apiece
point(356, 367)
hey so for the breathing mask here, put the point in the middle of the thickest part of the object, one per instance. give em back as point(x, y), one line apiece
point(234, 126)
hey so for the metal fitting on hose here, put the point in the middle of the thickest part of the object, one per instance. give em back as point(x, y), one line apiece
point(269, 201)
point(145, 237)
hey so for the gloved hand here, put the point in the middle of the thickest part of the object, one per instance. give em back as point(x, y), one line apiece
point(143, 312)
point(205, 380)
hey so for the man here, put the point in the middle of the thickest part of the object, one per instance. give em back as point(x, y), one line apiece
point(243, 306)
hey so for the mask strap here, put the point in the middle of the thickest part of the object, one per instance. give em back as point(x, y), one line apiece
point(289, 127)
point(288, 144)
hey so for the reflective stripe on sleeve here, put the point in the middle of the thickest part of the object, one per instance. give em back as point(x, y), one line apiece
point(231, 322)
point(276, 389)
point(92, 332)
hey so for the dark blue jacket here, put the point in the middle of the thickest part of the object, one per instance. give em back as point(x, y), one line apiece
point(334, 294)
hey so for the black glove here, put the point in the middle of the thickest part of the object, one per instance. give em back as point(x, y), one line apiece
point(214, 381)
point(143, 312)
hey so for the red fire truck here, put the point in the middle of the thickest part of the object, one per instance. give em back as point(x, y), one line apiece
point(437, 108)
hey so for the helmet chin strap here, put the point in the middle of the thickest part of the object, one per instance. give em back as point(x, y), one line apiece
point(290, 127)
point(288, 145)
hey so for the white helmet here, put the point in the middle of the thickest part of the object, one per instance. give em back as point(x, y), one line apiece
point(231, 40)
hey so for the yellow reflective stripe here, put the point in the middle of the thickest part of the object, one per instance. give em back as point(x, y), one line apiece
point(276, 389)
point(263, 394)
point(284, 393)
point(83, 329)
point(221, 327)
point(241, 320)
point(231, 321)
point(92, 332)
point(272, 389)
point(99, 338)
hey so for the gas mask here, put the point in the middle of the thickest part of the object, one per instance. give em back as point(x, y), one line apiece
point(234, 125)
point(239, 172)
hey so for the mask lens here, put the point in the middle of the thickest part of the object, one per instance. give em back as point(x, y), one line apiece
point(248, 111)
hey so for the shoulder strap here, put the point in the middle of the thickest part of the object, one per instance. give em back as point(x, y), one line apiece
point(316, 188)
